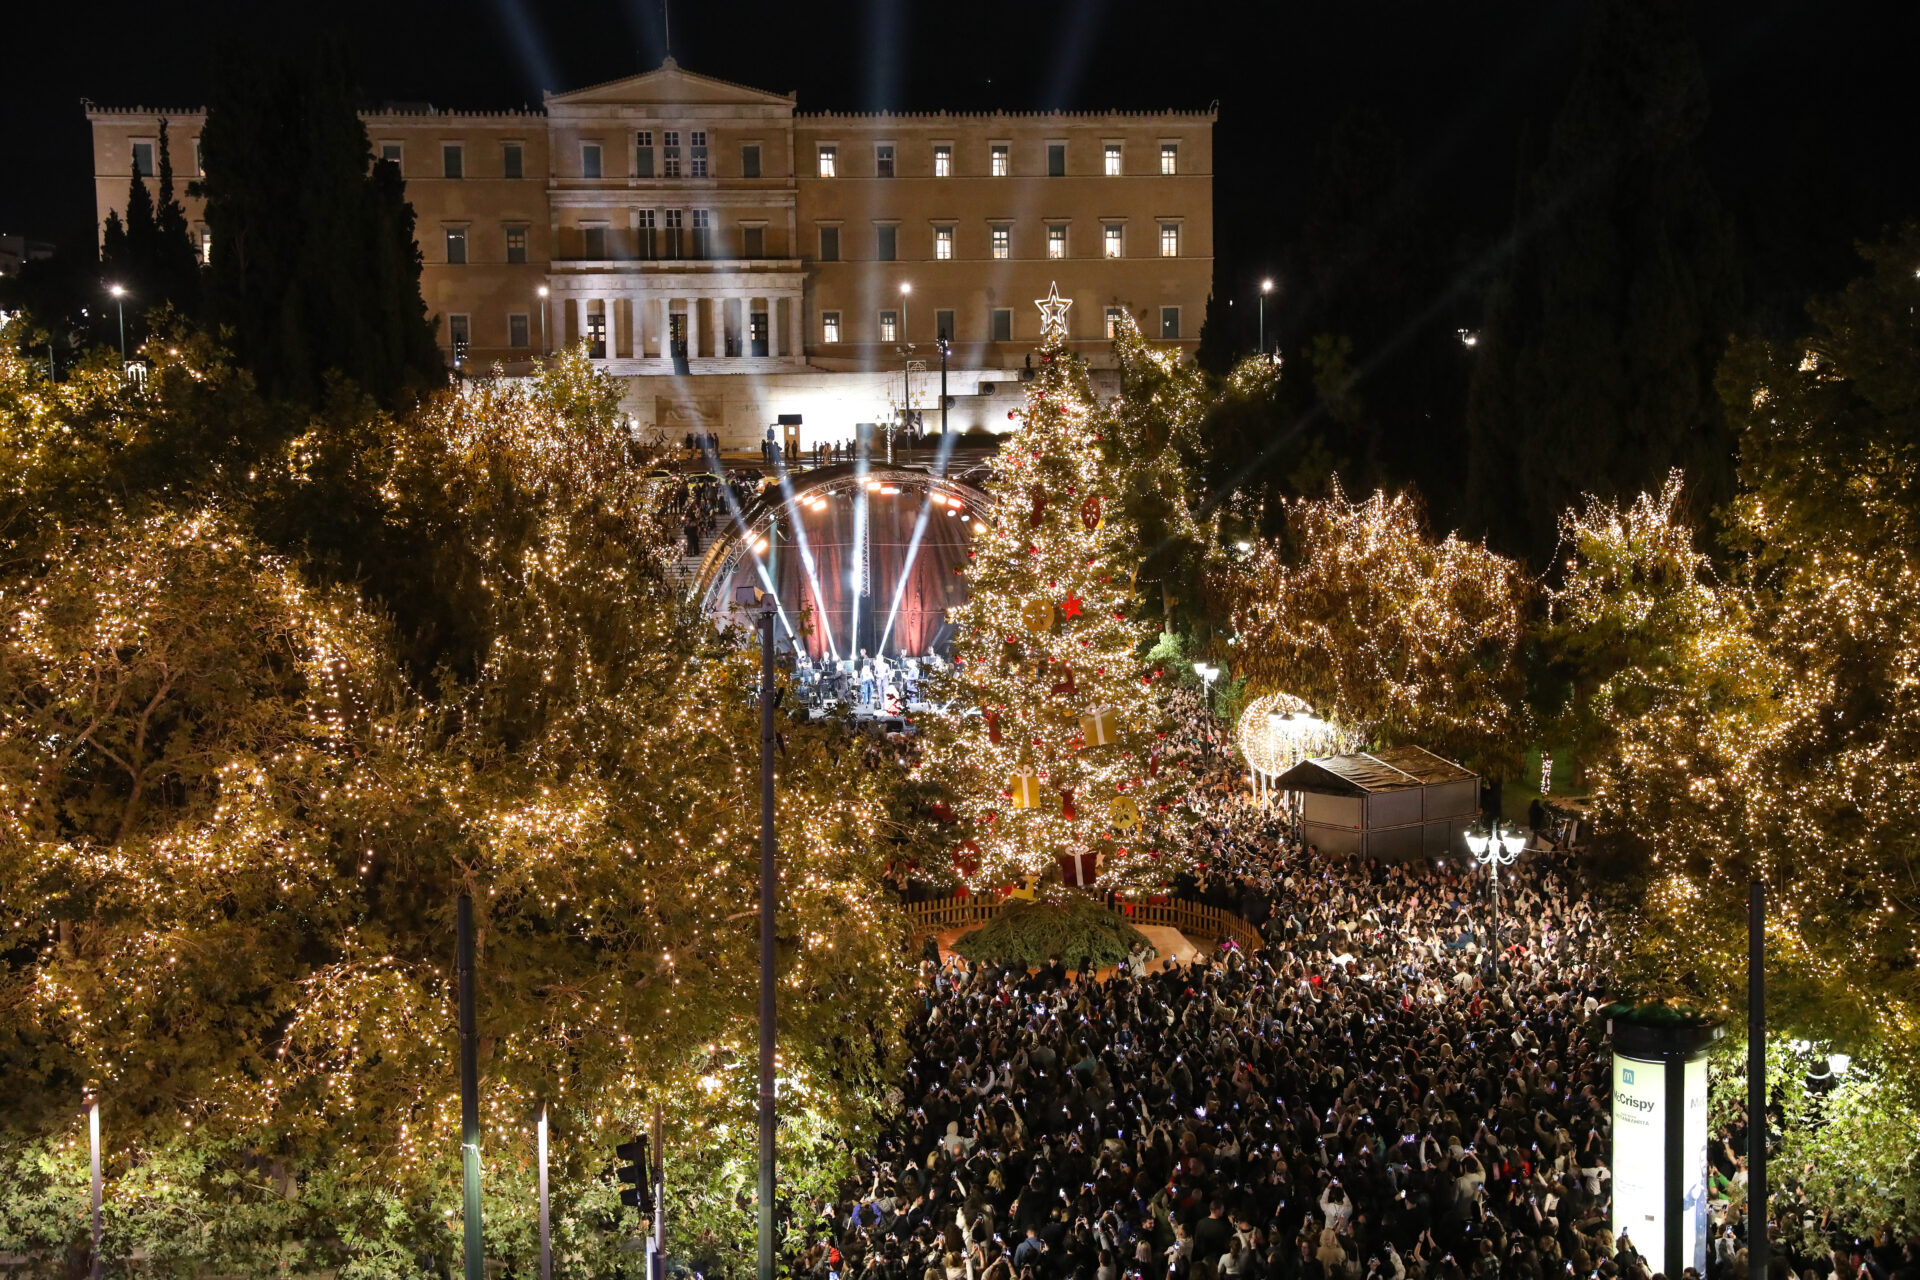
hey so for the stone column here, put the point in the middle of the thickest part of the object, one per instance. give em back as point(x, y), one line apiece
point(795, 341)
point(745, 329)
point(693, 328)
point(662, 330)
point(611, 305)
point(573, 320)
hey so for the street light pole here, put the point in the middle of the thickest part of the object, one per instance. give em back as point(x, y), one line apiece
point(762, 606)
point(946, 348)
point(1758, 1246)
point(119, 293)
point(542, 291)
point(1493, 852)
point(92, 1102)
point(1266, 287)
point(476, 1254)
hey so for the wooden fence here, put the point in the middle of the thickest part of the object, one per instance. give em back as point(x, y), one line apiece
point(1191, 918)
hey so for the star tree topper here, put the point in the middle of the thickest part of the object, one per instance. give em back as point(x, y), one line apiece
point(1053, 312)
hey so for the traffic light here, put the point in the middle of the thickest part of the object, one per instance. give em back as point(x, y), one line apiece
point(633, 1170)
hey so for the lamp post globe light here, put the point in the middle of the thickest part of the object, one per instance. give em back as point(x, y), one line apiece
point(1266, 287)
point(1493, 850)
point(119, 293)
point(1208, 674)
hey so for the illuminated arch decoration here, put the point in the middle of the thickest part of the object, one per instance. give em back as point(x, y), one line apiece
point(866, 557)
point(1278, 730)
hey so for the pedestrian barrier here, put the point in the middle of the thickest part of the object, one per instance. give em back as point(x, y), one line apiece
point(964, 911)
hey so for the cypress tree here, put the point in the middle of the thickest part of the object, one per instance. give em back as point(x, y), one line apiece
point(174, 271)
point(142, 234)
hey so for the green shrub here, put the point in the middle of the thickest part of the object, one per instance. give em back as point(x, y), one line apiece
point(1029, 934)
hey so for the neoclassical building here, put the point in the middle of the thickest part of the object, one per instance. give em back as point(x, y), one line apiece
point(733, 258)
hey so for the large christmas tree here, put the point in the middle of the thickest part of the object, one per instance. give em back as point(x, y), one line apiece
point(1052, 756)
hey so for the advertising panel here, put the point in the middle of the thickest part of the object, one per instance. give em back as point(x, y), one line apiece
point(1640, 1154)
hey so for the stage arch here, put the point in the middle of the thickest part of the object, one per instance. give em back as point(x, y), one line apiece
point(807, 535)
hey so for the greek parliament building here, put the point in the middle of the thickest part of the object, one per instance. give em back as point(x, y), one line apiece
point(732, 259)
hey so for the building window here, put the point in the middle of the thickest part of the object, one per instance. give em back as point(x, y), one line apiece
point(1003, 242)
point(1056, 242)
point(643, 154)
point(456, 245)
point(1110, 238)
point(143, 159)
point(753, 242)
point(206, 246)
point(1114, 316)
point(829, 244)
point(1002, 330)
point(1169, 239)
point(594, 242)
point(512, 161)
point(889, 326)
point(1169, 158)
point(597, 334)
point(589, 159)
point(943, 161)
point(517, 330)
point(883, 160)
point(702, 233)
point(886, 244)
point(943, 324)
point(644, 233)
point(390, 152)
point(453, 160)
point(943, 243)
point(670, 153)
point(1056, 159)
point(1169, 322)
point(829, 159)
point(1113, 159)
point(997, 160)
point(750, 160)
point(516, 244)
point(697, 149)
point(830, 326)
point(674, 232)
point(460, 333)
point(199, 161)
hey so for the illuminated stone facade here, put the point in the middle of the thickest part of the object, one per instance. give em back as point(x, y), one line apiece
point(733, 258)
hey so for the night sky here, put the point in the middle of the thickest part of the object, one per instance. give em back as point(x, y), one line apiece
point(1810, 142)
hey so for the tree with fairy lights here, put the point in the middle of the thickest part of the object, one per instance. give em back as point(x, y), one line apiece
point(1052, 758)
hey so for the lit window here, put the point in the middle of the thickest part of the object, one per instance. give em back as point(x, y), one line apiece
point(1114, 316)
point(206, 246)
point(643, 154)
point(1002, 324)
point(702, 232)
point(644, 231)
point(830, 326)
point(460, 333)
point(199, 161)
point(1113, 159)
point(1169, 158)
point(883, 160)
point(997, 160)
point(390, 152)
point(943, 161)
point(829, 157)
point(1169, 239)
point(889, 326)
point(829, 244)
point(517, 330)
point(143, 159)
point(456, 245)
point(750, 160)
point(589, 159)
point(594, 242)
point(1169, 322)
point(1056, 242)
point(670, 153)
point(453, 160)
point(1111, 238)
point(516, 244)
point(697, 147)
point(674, 229)
point(943, 243)
point(886, 244)
point(512, 161)
point(1003, 242)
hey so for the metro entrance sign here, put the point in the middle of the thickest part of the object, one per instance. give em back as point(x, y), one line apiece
point(1660, 1131)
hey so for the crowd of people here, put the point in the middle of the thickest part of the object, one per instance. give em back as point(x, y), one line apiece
point(1377, 1093)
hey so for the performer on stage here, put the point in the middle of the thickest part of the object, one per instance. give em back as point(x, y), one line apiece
point(866, 680)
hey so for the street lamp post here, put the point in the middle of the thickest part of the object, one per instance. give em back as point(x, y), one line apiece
point(119, 293)
point(946, 349)
point(1266, 287)
point(1208, 674)
point(1494, 851)
point(760, 606)
point(906, 367)
point(542, 291)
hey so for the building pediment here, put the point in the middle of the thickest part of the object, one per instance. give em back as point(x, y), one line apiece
point(669, 84)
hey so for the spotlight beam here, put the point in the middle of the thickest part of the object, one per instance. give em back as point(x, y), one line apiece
point(806, 553)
